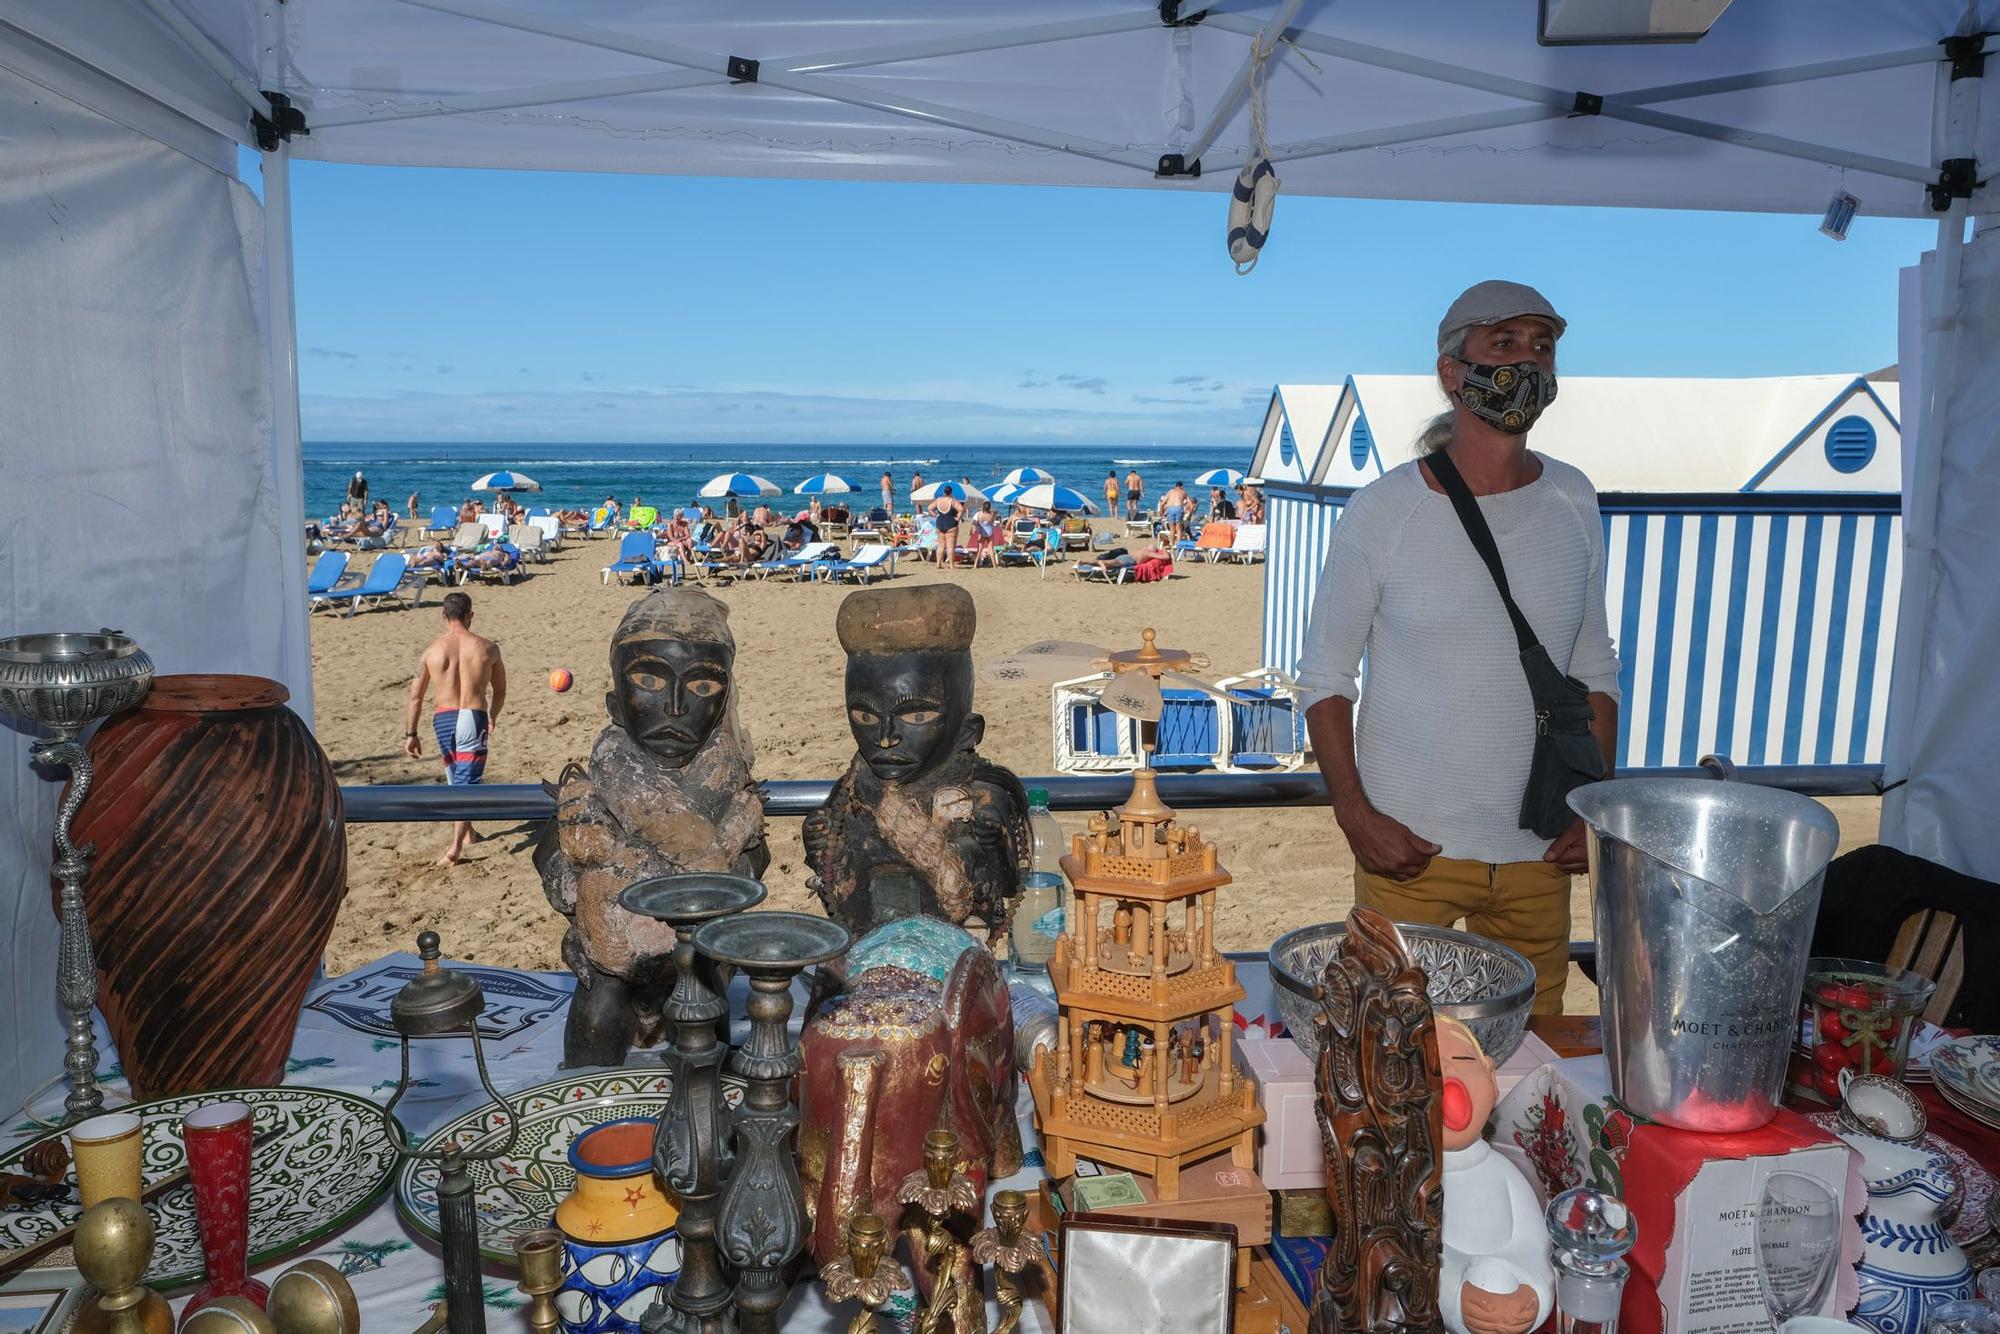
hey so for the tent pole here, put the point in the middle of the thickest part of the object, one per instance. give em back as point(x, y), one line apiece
point(287, 454)
point(1920, 501)
point(1266, 42)
point(211, 55)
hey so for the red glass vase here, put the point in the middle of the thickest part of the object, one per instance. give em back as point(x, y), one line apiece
point(217, 1137)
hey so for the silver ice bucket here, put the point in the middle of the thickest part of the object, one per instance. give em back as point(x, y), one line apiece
point(1706, 894)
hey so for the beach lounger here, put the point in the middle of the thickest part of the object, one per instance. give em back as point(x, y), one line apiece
point(444, 519)
point(1215, 538)
point(1248, 547)
point(468, 539)
point(551, 529)
point(1089, 738)
point(532, 542)
point(505, 573)
point(801, 562)
point(643, 516)
point(868, 562)
point(327, 572)
point(636, 556)
point(1267, 723)
point(1037, 551)
point(1114, 571)
point(600, 522)
point(494, 524)
point(389, 579)
point(1076, 534)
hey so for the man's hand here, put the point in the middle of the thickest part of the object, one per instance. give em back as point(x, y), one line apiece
point(1496, 1312)
point(411, 748)
point(1570, 851)
point(1383, 845)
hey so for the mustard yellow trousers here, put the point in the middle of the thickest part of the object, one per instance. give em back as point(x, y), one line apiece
point(1522, 904)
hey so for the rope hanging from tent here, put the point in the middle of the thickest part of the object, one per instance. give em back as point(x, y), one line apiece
point(1255, 194)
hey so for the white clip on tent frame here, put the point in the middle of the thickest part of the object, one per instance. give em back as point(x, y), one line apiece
point(1777, 106)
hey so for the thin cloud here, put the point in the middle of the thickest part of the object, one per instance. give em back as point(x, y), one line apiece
point(1034, 384)
point(332, 354)
point(1089, 384)
point(445, 368)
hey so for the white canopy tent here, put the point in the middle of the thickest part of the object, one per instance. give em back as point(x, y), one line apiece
point(118, 119)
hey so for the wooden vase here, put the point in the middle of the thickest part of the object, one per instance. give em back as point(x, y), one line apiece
point(221, 859)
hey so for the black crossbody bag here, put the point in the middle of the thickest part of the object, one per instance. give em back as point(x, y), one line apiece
point(1566, 754)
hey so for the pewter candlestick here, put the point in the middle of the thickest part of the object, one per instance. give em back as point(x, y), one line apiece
point(761, 1224)
point(691, 1148)
point(65, 682)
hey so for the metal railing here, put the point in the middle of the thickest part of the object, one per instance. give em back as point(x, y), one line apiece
point(419, 802)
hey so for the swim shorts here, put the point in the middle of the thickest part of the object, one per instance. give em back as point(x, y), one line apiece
point(461, 737)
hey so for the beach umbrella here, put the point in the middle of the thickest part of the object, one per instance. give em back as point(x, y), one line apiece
point(738, 484)
point(506, 481)
point(1227, 478)
point(825, 484)
point(1002, 493)
point(1029, 476)
point(936, 489)
point(1049, 496)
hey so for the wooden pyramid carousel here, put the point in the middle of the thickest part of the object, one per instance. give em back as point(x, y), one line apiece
point(1143, 1075)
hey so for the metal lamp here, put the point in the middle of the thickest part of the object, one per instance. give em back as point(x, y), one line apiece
point(438, 1003)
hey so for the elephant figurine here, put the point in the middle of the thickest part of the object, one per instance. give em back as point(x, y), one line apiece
point(922, 1039)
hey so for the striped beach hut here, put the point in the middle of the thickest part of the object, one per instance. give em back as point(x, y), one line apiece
point(1752, 536)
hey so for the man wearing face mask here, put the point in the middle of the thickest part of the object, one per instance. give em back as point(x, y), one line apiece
point(1428, 774)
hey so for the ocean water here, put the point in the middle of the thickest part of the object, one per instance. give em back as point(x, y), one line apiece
point(582, 475)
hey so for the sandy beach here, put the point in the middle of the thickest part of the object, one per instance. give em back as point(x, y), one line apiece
point(1291, 867)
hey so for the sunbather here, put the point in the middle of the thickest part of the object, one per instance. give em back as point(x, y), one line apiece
point(495, 557)
point(469, 511)
point(433, 557)
point(678, 537)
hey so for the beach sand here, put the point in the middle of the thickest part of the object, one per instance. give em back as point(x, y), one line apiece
point(1291, 867)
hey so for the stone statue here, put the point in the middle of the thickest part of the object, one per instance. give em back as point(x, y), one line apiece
point(919, 823)
point(667, 791)
point(1381, 1128)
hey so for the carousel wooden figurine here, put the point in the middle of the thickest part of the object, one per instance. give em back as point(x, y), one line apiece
point(920, 823)
point(866, 1273)
point(935, 1196)
point(668, 790)
point(1136, 963)
point(1014, 1255)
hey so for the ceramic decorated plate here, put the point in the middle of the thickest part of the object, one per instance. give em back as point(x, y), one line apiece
point(1975, 1184)
point(324, 1168)
point(519, 1191)
point(1970, 1068)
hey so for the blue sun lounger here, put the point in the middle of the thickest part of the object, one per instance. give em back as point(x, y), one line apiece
point(387, 581)
point(327, 572)
point(635, 557)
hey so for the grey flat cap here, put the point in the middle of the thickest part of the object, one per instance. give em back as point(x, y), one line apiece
point(1491, 302)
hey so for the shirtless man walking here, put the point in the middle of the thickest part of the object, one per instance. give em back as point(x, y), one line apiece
point(466, 667)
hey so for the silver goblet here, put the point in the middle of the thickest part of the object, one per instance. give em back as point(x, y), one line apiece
point(65, 682)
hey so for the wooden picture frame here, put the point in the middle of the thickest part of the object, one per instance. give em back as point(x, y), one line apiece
point(1120, 1273)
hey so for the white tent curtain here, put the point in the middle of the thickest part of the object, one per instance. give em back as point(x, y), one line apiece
point(1946, 699)
point(137, 477)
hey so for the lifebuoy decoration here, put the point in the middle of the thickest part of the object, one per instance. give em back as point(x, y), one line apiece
point(1250, 206)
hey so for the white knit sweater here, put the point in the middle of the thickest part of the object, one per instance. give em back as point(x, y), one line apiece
point(1446, 728)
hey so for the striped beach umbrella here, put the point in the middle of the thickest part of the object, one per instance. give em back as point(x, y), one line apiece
point(1002, 493)
point(738, 484)
point(1029, 476)
point(1049, 496)
point(1227, 478)
point(506, 481)
point(932, 491)
point(825, 484)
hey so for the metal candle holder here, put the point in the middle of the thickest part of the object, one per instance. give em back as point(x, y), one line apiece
point(436, 1003)
point(691, 1149)
point(761, 1221)
point(65, 682)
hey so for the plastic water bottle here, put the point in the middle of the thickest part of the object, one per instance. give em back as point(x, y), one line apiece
point(1038, 916)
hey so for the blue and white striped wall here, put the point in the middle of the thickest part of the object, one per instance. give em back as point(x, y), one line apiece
point(1757, 626)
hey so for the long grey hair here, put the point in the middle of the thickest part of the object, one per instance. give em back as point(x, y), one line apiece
point(1438, 430)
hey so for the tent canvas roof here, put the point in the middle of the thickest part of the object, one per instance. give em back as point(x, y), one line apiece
point(1450, 99)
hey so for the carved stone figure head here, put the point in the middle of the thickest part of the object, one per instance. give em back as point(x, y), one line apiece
point(1469, 1087)
point(671, 660)
point(909, 677)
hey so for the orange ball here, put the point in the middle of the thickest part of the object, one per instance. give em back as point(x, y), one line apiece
point(560, 680)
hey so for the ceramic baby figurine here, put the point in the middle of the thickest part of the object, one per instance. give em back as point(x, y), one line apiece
point(1495, 1276)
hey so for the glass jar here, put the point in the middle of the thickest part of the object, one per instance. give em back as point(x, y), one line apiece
point(1857, 1015)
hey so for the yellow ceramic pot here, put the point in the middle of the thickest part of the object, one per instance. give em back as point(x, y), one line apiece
point(617, 1196)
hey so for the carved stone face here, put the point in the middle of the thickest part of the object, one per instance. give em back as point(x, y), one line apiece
point(669, 694)
point(908, 710)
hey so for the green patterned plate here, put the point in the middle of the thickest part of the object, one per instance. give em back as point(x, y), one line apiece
point(519, 1191)
point(325, 1167)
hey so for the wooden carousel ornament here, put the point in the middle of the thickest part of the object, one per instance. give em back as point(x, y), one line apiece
point(1143, 1074)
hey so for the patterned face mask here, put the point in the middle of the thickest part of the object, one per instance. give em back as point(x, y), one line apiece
point(1510, 397)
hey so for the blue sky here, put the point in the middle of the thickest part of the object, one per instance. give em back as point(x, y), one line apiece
point(442, 305)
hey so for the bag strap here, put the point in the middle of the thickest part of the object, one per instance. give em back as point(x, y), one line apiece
point(1474, 523)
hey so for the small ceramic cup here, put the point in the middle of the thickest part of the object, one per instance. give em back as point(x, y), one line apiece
point(1879, 1106)
point(106, 1150)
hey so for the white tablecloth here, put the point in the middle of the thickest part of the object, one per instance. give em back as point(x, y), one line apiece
point(345, 1042)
